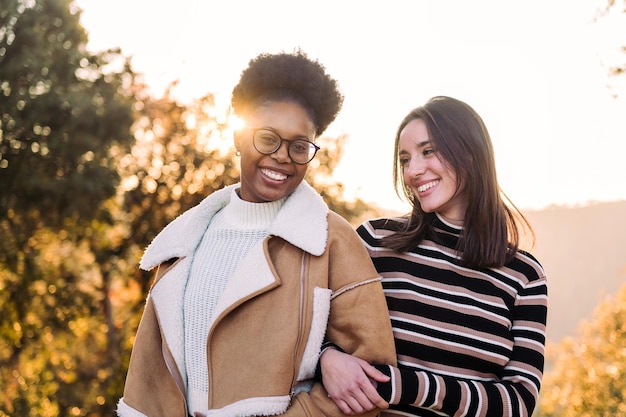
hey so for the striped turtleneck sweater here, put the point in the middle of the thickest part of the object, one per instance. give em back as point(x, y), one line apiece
point(232, 232)
point(469, 342)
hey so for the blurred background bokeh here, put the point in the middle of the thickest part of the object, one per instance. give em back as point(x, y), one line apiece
point(94, 162)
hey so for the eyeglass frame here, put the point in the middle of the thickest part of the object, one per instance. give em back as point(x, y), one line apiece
point(280, 143)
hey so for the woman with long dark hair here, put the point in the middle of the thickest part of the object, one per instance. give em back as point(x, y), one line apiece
point(468, 307)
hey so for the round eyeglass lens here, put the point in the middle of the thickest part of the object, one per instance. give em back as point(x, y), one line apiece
point(300, 151)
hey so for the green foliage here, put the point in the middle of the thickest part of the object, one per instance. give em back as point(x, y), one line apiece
point(589, 374)
point(61, 109)
point(181, 155)
point(59, 360)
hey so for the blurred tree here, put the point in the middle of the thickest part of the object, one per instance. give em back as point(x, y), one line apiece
point(588, 378)
point(61, 110)
point(181, 155)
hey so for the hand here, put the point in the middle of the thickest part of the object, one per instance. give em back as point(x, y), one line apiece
point(351, 382)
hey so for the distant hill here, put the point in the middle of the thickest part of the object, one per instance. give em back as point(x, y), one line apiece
point(583, 250)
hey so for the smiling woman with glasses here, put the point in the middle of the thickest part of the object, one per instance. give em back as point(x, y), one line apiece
point(240, 309)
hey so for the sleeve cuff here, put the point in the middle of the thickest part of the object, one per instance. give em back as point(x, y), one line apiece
point(402, 386)
point(385, 388)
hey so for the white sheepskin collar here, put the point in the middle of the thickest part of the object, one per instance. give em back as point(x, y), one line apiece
point(302, 221)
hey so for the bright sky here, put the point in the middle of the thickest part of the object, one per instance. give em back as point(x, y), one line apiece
point(536, 71)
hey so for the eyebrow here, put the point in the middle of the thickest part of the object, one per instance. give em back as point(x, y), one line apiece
point(419, 145)
point(297, 137)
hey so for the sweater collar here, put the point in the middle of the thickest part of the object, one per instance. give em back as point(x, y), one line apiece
point(243, 215)
point(302, 221)
point(448, 227)
point(457, 225)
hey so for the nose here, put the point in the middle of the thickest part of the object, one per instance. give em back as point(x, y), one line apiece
point(282, 153)
point(415, 168)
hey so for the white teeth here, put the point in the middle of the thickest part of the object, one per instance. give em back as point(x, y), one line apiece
point(427, 186)
point(274, 175)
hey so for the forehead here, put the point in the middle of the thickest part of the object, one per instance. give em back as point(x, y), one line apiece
point(414, 134)
point(282, 116)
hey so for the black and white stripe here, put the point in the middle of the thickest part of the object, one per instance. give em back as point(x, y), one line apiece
point(469, 342)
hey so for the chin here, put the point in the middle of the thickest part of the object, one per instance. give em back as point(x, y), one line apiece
point(427, 209)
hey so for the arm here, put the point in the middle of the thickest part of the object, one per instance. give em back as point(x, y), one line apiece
point(358, 321)
point(359, 397)
point(376, 344)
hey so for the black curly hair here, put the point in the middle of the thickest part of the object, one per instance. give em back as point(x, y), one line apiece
point(293, 77)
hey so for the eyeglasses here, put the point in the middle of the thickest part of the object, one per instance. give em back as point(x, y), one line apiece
point(301, 151)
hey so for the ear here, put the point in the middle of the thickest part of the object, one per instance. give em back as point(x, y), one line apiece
point(237, 139)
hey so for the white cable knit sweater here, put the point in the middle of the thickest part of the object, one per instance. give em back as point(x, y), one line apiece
point(232, 232)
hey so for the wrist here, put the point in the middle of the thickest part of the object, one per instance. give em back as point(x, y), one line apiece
point(328, 345)
point(325, 346)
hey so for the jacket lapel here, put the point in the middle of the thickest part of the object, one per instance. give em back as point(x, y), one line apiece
point(303, 220)
point(181, 236)
point(168, 298)
point(252, 275)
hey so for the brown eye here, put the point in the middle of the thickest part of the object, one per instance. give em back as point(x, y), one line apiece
point(267, 138)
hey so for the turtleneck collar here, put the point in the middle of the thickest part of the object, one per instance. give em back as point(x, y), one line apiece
point(243, 214)
point(449, 225)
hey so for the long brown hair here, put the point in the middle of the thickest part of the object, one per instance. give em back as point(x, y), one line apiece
point(491, 228)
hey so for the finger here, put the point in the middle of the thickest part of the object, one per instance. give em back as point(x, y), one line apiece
point(367, 395)
point(374, 397)
point(344, 407)
point(364, 402)
point(355, 406)
point(374, 373)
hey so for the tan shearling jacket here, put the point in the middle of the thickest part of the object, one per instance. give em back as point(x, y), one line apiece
point(310, 280)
